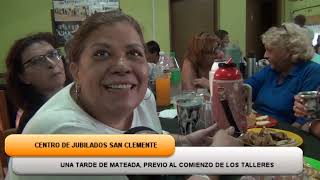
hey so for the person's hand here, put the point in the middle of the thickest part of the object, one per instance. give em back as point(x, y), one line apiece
point(224, 138)
point(202, 82)
point(299, 108)
point(202, 137)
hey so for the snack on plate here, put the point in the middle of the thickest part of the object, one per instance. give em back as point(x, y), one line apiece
point(262, 123)
point(254, 120)
point(267, 137)
point(262, 118)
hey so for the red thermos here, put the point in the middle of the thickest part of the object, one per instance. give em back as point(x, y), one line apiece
point(229, 96)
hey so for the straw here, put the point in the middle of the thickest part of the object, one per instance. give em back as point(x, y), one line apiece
point(229, 60)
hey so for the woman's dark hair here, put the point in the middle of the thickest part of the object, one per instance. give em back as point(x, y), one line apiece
point(221, 34)
point(153, 47)
point(23, 95)
point(92, 23)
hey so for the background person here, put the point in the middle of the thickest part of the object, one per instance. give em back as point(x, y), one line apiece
point(201, 53)
point(152, 56)
point(301, 21)
point(290, 71)
point(35, 72)
point(223, 35)
point(152, 52)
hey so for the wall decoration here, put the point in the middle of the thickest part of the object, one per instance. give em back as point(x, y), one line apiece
point(67, 15)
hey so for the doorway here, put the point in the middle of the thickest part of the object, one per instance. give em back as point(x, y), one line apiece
point(261, 15)
point(188, 17)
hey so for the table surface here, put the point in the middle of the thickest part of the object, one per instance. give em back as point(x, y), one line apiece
point(310, 146)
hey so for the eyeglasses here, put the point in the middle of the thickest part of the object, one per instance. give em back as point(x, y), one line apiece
point(43, 60)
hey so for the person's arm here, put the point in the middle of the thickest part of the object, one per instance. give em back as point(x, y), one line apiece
point(210, 136)
point(188, 75)
point(201, 82)
point(311, 82)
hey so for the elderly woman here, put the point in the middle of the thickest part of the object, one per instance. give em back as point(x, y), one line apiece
point(109, 95)
point(35, 72)
point(289, 52)
point(200, 55)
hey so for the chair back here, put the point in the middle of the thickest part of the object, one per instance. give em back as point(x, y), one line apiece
point(3, 156)
point(4, 116)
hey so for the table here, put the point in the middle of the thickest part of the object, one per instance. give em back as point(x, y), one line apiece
point(310, 144)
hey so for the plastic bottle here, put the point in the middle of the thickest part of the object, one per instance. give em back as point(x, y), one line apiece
point(233, 50)
point(175, 76)
point(214, 68)
point(163, 80)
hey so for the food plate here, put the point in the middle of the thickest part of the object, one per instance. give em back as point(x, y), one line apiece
point(311, 168)
point(293, 139)
point(254, 119)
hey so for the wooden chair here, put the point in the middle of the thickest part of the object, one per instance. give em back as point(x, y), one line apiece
point(3, 156)
point(4, 116)
point(2, 176)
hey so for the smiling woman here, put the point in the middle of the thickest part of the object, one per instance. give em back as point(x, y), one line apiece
point(109, 95)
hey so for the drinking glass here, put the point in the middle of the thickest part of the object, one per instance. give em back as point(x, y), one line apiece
point(189, 108)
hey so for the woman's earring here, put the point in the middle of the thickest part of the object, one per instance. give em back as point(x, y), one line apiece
point(78, 88)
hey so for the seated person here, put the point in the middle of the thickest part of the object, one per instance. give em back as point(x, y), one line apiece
point(152, 52)
point(290, 71)
point(109, 95)
point(35, 72)
point(224, 38)
point(152, 56)
point(200, 55)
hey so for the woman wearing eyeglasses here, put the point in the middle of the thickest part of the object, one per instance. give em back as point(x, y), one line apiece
point(289, 51)
point(200, 55)
point(35, 72)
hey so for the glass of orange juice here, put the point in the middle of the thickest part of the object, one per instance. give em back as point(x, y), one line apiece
point(163, 90)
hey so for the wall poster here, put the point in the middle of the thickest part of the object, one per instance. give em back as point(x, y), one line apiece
point(67, 15)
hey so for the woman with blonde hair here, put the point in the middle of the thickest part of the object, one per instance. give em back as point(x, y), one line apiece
point(289, 52)
point(200, 55)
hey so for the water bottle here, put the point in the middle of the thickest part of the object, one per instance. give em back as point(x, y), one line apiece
point(175, 76)
point(234, 52)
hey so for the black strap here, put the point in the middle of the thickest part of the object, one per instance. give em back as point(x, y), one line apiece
point(138, 129)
